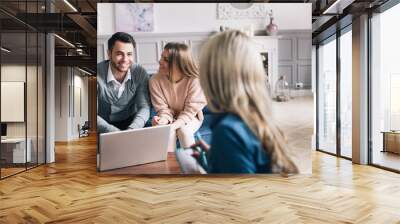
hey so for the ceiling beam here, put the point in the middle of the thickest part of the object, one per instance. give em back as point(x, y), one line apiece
point(89, 30)
point(82, 61)
point(337, 7)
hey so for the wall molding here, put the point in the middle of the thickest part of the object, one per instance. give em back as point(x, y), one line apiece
point(300, 57)
point(149, 56)
point(228, 11)
point(196, 39)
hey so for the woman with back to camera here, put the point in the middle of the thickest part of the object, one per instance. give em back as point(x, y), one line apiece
point(176, 94)
point(245, 138)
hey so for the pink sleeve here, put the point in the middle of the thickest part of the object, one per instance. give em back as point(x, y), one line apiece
point(195, 101)
point(158, 100)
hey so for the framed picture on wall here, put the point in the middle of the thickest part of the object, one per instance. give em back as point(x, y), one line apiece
point(131, 17)
point(12, 101)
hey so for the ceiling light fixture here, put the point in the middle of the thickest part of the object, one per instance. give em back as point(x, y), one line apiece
point(79, 51)
point(64, 40)
point(338, 6)
point(5, 50)
point(326, 11)
point(84, 71)
point(70, 5)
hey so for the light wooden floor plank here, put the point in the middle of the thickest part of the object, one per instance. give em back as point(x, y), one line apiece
point(71, 191)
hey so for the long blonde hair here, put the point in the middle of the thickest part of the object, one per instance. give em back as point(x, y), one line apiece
point(179, 54)
point(233, 79)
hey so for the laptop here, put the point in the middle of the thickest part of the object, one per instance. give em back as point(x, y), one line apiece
point(132, 147)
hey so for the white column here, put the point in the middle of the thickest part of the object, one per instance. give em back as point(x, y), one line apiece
point(360, 90)
point(50, 98)
point(50, 92)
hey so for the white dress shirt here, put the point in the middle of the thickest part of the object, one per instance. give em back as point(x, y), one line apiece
point(118, 87)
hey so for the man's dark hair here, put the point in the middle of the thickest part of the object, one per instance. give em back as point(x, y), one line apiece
point(120, 36)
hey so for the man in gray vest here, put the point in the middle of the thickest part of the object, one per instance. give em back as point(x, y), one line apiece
point(122, 88)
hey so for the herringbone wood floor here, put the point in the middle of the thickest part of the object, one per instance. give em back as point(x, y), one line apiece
point(71, 191)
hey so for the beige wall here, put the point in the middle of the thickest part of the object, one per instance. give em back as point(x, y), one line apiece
point(34, 125)
point(17, 73)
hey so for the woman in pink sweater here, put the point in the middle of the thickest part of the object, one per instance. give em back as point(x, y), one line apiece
point(176, 94)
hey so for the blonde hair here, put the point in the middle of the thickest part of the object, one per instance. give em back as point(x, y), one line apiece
point(179, 54)
point(233, 79)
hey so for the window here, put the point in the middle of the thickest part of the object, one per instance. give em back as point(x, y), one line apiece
point(385, 89)
point(346, 75)
point(327, 96)
point(22, 74)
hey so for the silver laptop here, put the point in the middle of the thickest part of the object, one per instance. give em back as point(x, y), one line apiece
point(132, 147)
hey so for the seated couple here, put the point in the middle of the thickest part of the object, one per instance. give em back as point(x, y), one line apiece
point(245, 137)
point(175, 92)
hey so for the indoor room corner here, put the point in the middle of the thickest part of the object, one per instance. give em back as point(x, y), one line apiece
point(73, 88)
point(48, 83)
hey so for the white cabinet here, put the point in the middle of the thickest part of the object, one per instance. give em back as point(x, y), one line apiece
point(15, 148)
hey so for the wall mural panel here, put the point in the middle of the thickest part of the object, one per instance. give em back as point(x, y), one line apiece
point(131, 17)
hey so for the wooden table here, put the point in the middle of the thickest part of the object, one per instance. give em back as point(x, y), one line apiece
point(170, 166)
point(391, 141)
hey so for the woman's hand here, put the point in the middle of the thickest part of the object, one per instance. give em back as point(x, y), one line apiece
point(155, 120)
point(159, 121)
point(200, 149)
point(202, 144)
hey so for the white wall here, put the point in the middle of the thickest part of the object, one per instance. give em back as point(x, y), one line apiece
point(67, 116)
point(61, 103)
point(15, 72)
point(80, 83)
point(33, 126)
point(202, 17)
